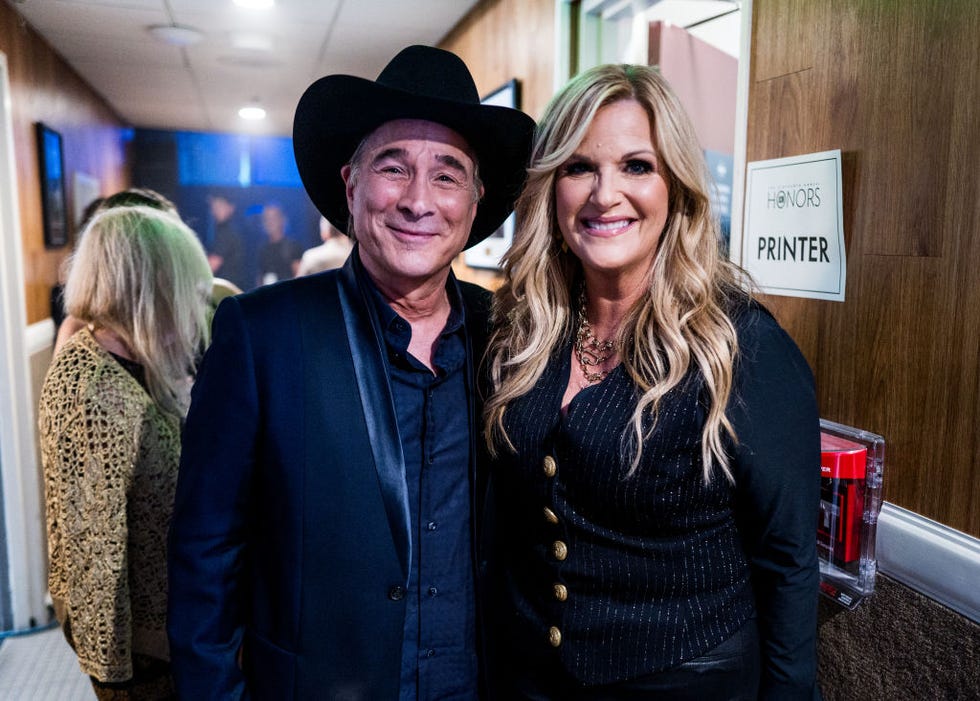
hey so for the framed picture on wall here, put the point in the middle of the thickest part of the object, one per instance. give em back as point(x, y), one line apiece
point(51, 166)
point(487, 253)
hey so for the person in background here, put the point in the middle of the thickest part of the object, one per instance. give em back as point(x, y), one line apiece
point(323, 541)
point(279, 257)
point(655, 430)
point(134, 196)
point(328, 255)
point(110, 413)
point(227, 254)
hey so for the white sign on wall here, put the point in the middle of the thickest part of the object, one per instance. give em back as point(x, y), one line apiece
point(793, 238)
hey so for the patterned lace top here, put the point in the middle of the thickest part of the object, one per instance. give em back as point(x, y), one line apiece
point(110, 458)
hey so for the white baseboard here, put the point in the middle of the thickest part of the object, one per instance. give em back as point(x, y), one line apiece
point(933, 559)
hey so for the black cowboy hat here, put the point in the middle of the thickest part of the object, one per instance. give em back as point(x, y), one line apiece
point(421, 82)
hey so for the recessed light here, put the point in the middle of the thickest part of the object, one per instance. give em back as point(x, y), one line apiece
point(251, 61)
point(252, 113)
point(251, 42)
point(175, 34)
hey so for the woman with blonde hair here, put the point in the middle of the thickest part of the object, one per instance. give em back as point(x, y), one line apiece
point(655, 431)
point(66, 324)
point(110, 415)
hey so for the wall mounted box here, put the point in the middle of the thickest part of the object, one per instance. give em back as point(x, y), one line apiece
point(851, 465)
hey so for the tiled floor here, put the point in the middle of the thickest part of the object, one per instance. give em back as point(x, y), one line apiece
point(41, 667)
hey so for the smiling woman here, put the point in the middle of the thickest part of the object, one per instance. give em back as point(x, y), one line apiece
point(611, 200)
point(641, 408)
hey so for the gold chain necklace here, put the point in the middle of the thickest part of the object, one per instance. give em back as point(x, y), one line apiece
point(590, 351)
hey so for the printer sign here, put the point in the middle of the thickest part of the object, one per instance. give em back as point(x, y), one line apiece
point(793, 238)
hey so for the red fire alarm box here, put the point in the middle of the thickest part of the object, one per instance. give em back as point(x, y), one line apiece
point(851, 462)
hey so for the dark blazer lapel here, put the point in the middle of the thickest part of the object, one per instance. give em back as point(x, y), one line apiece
point(477, 304)
point(476, 301)
point(370, 367)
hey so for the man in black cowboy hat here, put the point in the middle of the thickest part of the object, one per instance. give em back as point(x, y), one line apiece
point(323, 543)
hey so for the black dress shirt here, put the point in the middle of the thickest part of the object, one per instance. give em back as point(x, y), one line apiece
point(439, 649)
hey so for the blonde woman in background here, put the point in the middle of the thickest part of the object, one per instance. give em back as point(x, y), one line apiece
point(135, 196)
point(655, 430)
point(110, 415)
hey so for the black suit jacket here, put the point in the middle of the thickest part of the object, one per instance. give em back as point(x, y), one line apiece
point(290, 538)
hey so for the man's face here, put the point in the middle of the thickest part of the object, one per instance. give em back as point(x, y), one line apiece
point(412, 197)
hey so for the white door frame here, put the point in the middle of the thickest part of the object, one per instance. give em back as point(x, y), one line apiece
point(23, 524)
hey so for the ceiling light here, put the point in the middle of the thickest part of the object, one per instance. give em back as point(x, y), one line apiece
point(255, 4)
point(252, 113)
point(251, 42)
point(175, 34)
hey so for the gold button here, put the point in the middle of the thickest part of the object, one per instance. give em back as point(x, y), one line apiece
point(550, 466)
point(559, 550)
point(554, 636)
point(561, 591)
point(550, 516)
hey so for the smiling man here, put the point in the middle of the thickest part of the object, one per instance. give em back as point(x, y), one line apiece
point(323, 542)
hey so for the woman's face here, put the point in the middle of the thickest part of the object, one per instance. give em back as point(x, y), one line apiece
point(610, 197)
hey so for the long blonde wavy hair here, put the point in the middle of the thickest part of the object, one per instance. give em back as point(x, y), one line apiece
point(142, 273)
point(681, 319)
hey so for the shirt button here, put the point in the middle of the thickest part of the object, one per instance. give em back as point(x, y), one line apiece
point(559, 550)
point(554, 636)
point(550, 516)
point(561, 591)
point(396, 593)
point(433, 591)
point(430, 653)
point(431, 526)
point(549, 466)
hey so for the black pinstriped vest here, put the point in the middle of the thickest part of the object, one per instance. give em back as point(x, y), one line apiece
point(619, 576)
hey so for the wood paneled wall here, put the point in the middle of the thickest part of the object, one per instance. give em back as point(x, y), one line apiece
point(504, 39)
point(44, 88)
point(893, 84)
point(500, 40)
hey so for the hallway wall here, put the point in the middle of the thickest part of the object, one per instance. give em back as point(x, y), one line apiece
point(500, 40)
point(504, 39)
point(894, 86)
point(44, 88)
point(39, 87)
